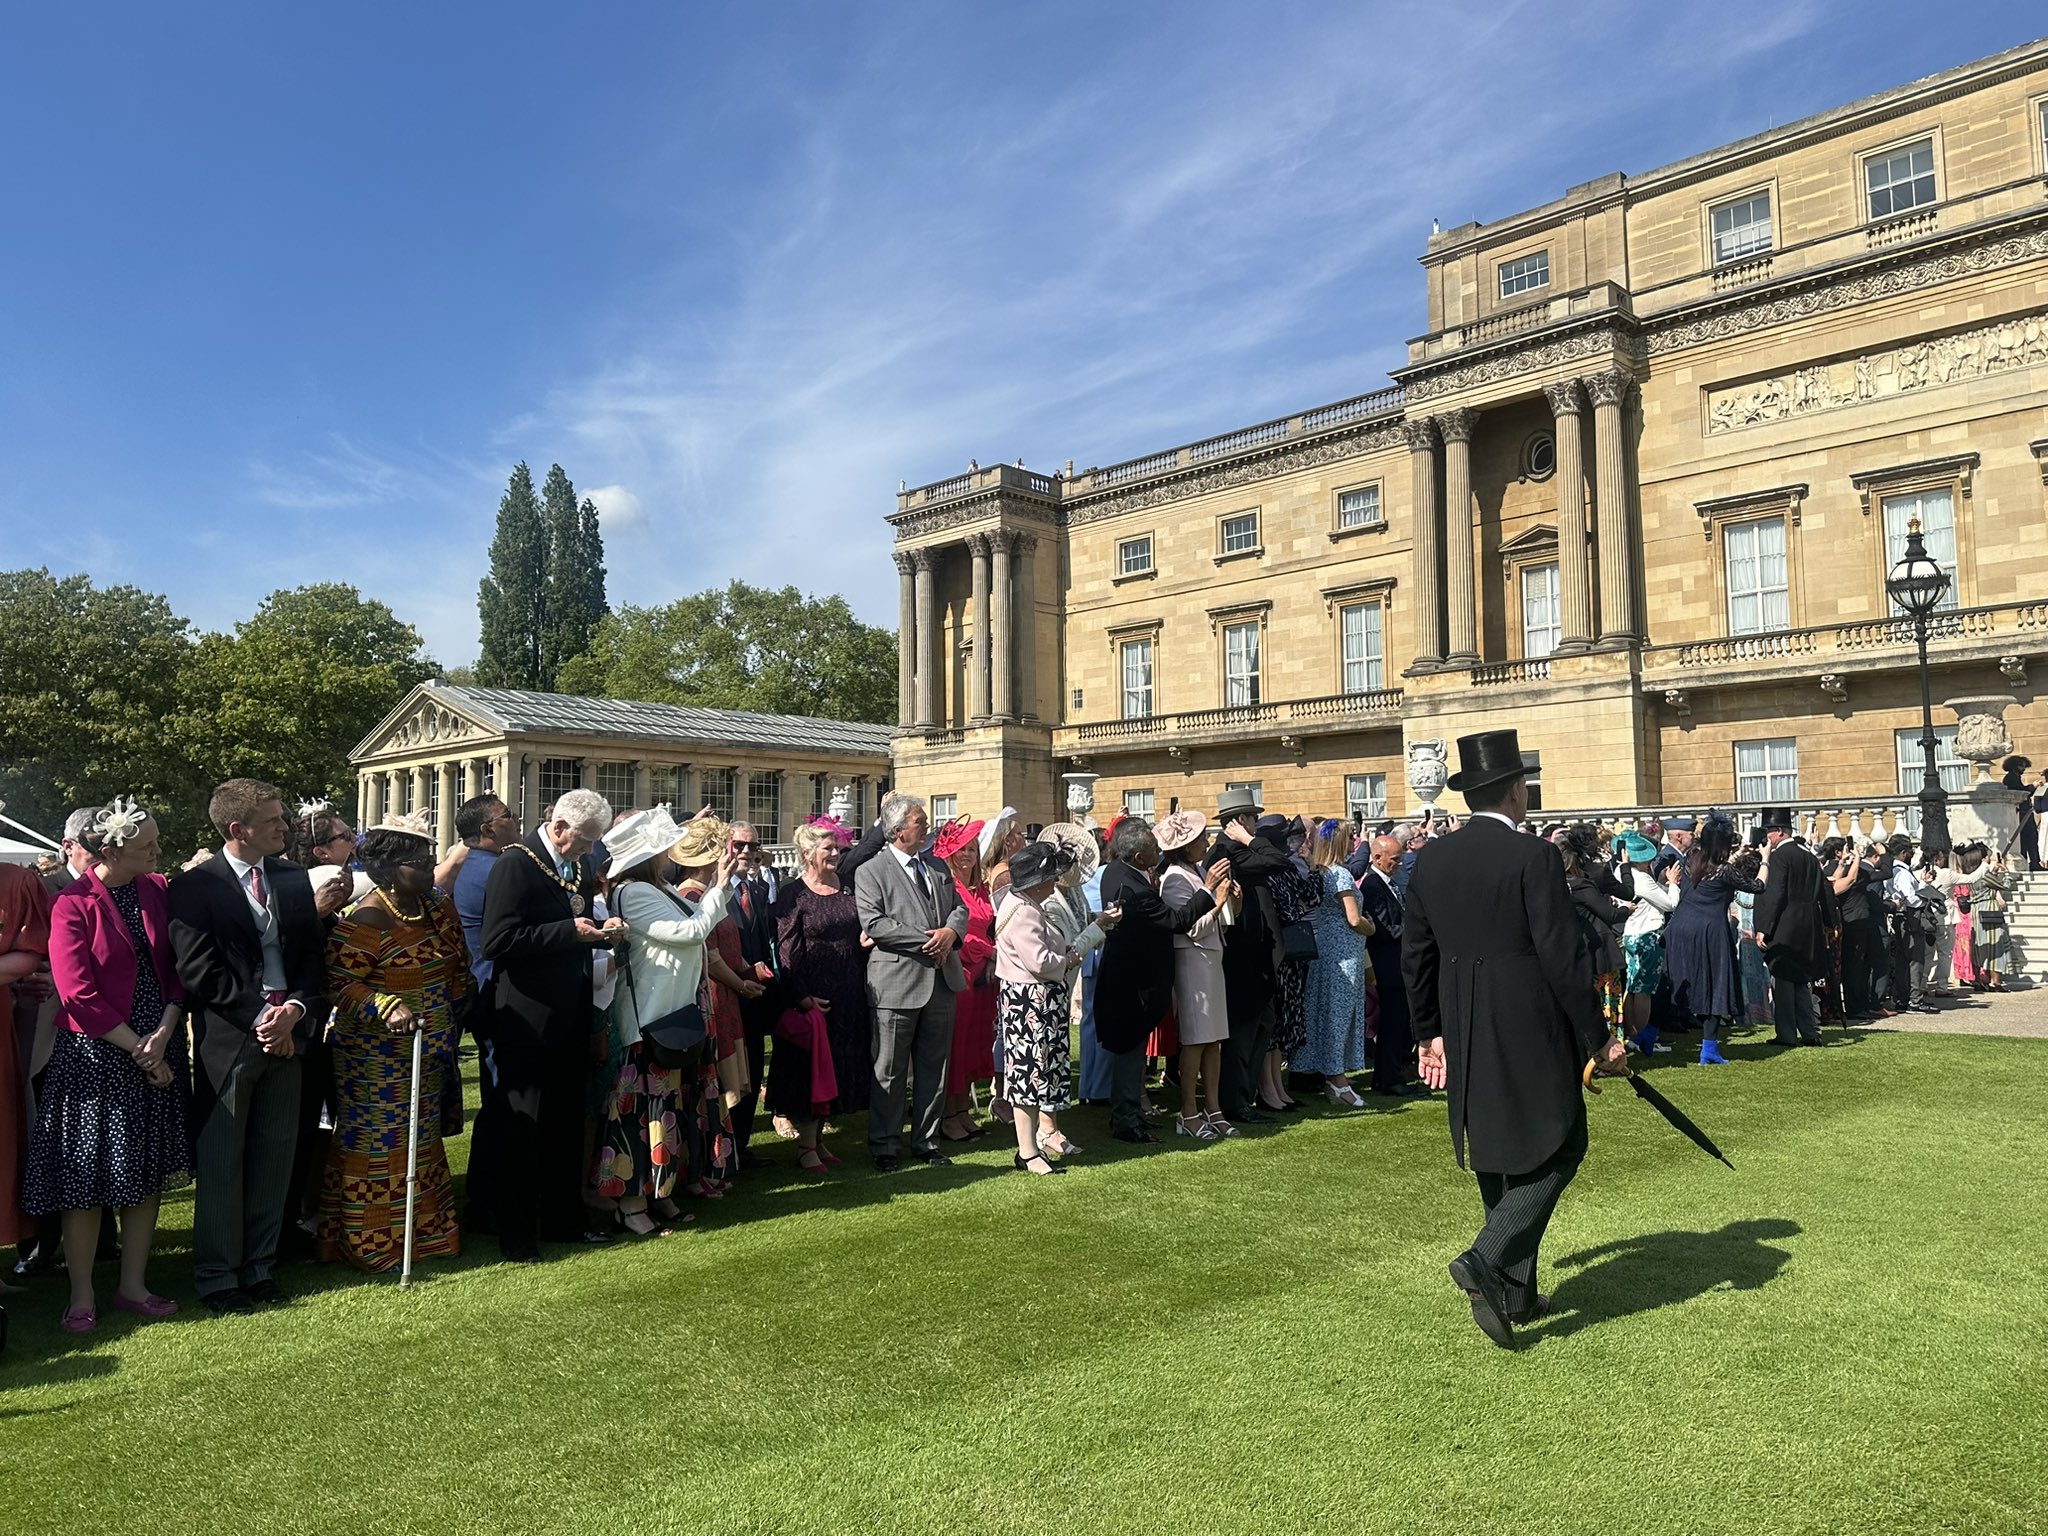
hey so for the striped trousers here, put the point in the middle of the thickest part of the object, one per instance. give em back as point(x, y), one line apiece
point(1518, 1207)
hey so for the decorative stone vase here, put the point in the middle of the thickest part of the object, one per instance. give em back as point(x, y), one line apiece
point(1428, 769)
point(1987, 811)
point(1980, 730)
point(1080, 795)
point(840, 807)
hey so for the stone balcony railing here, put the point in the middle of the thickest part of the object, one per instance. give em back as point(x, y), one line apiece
point(1493, 674)
point(1959, 634)
point(1316, 716)
point(1590, 300)
point(1863, 817)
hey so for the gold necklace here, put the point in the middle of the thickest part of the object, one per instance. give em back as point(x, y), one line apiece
point(575, 895)
point(391, 902)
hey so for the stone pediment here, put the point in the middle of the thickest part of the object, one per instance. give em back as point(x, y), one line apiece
point(424, 722)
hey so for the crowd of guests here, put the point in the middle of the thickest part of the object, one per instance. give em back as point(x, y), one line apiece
point(643, 993)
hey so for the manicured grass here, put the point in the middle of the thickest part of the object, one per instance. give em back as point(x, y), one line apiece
point(1844, 1335)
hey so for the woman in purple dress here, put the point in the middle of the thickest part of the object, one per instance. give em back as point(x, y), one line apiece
point(824, 962)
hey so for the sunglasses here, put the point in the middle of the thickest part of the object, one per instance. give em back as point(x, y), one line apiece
point(740, 846)
point(340, 837)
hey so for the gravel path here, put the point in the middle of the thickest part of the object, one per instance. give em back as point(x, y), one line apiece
point(2022, 1013)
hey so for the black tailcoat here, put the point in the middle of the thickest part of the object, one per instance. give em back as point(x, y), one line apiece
point(541, 975)
point(1789, 914)
point(1491, 955)
point(1134, 981)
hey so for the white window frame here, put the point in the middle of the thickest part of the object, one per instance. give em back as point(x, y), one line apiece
point(614, 776)
point(1250, 546)
point(1954, 771)
point(1776, 780)
point(1540, 639)
point(1241, 686)
point(722, 792)
point(1124, 547)
point(1897, 510)
point(944, 809)
point(1757, 604)
point(1523, 274)
point(1365, 671)
point(1741, 242)
point(1141, 803)
point(548, 778)
point(1883, 157)
point(1126, 691)
point(1372, 505)
point(768, 821)
point(1365, 797)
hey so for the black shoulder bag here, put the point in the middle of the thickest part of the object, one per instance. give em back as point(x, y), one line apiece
point(673, 1039)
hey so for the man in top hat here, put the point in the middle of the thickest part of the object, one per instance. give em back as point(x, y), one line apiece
point(1500, 992)
point(1791, 929)
point(1251, 949)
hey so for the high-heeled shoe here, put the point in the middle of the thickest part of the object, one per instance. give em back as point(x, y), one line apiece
point(1219, 1125)
point(1344, 1096)
point(1201, 1130)
point(1058, 1145)
point(811, 1160)
point(1024, 1164)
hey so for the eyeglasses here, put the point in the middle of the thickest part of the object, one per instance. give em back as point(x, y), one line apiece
point(741, 846)
point(340, 837)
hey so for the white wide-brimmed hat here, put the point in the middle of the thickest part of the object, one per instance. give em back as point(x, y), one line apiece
point(995, 830)
point(1078, 841)
point(639, 838)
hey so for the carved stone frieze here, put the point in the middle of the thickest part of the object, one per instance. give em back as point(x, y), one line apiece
point(973, 509)
point(1329, 450)
point(2018, 342)
point(1906, 277)
point(1606, 341)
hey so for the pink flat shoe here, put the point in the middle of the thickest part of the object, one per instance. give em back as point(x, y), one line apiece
point(153, 1307)
point(80, 1320)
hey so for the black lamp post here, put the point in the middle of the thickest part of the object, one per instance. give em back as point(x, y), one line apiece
point(1916, 584)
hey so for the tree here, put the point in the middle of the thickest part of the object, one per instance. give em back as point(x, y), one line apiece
point(575, 585)
point(288, 695)
point(744, 647)
point(512, 601)
point(88, 678)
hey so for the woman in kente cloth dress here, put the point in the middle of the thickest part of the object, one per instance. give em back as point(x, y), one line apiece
point(1699, 940)
point(397, 966)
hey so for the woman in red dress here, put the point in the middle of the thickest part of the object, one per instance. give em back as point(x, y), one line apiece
point(974, 1012)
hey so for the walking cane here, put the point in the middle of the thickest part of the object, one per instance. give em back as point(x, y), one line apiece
point(412, 1155)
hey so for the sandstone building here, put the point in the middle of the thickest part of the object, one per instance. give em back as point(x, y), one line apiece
point(442, 744)
point(1635, 493)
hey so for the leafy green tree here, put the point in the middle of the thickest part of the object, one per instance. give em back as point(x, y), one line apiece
point(288, 695)
point(512, 601)
point(88, 678)
point(575, 584)
point(745, 647)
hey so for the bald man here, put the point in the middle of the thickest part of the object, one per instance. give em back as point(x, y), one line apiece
point(1393, 1058)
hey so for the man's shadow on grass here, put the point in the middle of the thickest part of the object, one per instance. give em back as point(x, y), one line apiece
point(1661, 1269)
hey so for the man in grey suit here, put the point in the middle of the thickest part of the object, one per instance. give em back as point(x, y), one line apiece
point(915, 918)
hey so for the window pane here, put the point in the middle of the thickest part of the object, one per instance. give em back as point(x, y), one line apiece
point(1358, 508)
point(1523, 274)
point(1758, 599)
point(1936, 511)
point(1241, 664)
point(1540, 617)
point(1138, 803)
point(1900, 180)
point(1134, 555)
point(1137, 679)
point(1240, 532)
point(1742, 228)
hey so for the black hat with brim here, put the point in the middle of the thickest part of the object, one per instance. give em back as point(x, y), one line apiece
point(1776, 818)
point(1490, 757)
point(1036, 863)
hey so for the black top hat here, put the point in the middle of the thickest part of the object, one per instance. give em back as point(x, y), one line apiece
point(1777, 818)
point(1036, 863)
point(1487, 758)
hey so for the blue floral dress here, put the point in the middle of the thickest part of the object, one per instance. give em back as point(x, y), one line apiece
point(1336, 987)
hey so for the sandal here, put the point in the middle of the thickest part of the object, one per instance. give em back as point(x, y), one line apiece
point(625, 1219)
point(1219, 1125)
point(1200, 1129)
point(811, 1160)
point(1059, 1146)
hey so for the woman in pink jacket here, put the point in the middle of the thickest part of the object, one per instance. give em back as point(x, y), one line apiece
point(1034, 969)
point(111, 1122)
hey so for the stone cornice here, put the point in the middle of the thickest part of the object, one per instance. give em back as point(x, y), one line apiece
point(1351, 444)
point(1605, 336)
point(987, 506)
point(1813, 293)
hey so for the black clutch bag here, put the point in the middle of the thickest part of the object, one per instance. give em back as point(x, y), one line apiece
point(673, 1039)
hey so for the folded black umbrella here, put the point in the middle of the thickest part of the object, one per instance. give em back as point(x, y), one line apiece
point(1670, 1111)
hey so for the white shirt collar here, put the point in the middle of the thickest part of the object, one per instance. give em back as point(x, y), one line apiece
point(241, 870)
point(905, 859)
point(1496, 816)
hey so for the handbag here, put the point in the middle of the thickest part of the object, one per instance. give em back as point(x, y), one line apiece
point(673, 1039)
point(1298, 941)
point(1991, 918)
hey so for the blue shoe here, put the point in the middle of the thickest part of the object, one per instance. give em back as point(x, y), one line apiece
point(1710, 1054)
point(1645, 1042)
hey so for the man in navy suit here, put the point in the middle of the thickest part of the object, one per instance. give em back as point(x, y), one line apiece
point(1394, 1053)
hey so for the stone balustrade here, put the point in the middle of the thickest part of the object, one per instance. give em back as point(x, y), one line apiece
point(1864, 818)
point(1960, 630)
point(1271, 717)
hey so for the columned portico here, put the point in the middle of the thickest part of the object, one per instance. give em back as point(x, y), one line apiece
point(1574, 574)
point(980, 657)
point(1027, 636)
point(1002, 643)
point(1619, 627)
point(906, 639)
point(925, 717)
point(1429, 592)
point(1459, 572)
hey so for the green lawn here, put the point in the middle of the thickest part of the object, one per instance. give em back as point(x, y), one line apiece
point(1846, 1334)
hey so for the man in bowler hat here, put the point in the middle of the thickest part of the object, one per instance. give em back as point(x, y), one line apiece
point(1500, 992)
point(1791, 929)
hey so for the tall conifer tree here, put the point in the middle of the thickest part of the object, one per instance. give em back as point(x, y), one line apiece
point(564, 633)
point(512, 602)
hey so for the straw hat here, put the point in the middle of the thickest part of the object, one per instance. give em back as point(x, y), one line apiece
point(1076, 840)
point(639, 838)
point(700, 842)
point(1179, 829)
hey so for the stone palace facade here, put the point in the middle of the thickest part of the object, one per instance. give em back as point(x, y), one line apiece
point(1635, 493)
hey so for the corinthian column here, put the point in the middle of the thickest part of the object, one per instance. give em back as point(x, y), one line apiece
point(1429, 592)
point(1574, 574)
point(1027, 626)
point(1459, 571)
point(1618, 626)
point(1000, 644)
point(906, 638)
point(927, 627)
point(978, 661)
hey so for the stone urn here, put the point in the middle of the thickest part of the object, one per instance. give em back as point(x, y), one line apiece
point(840, 807)
point(1428, 769)
point(1987, 811)
point(1080, 795)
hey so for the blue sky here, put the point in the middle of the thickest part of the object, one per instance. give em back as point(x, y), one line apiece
point(286, 290)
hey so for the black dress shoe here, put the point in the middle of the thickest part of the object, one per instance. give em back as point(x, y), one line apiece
point(1137, 1138)
point(265, 1293)
point(1538, 1309)
point(932, 1157)
point(887, 1162)
point(753, 1160)
point(1404, 1091)
point(1487, 1289)
point(228, 1303)
point(1250, 1117)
